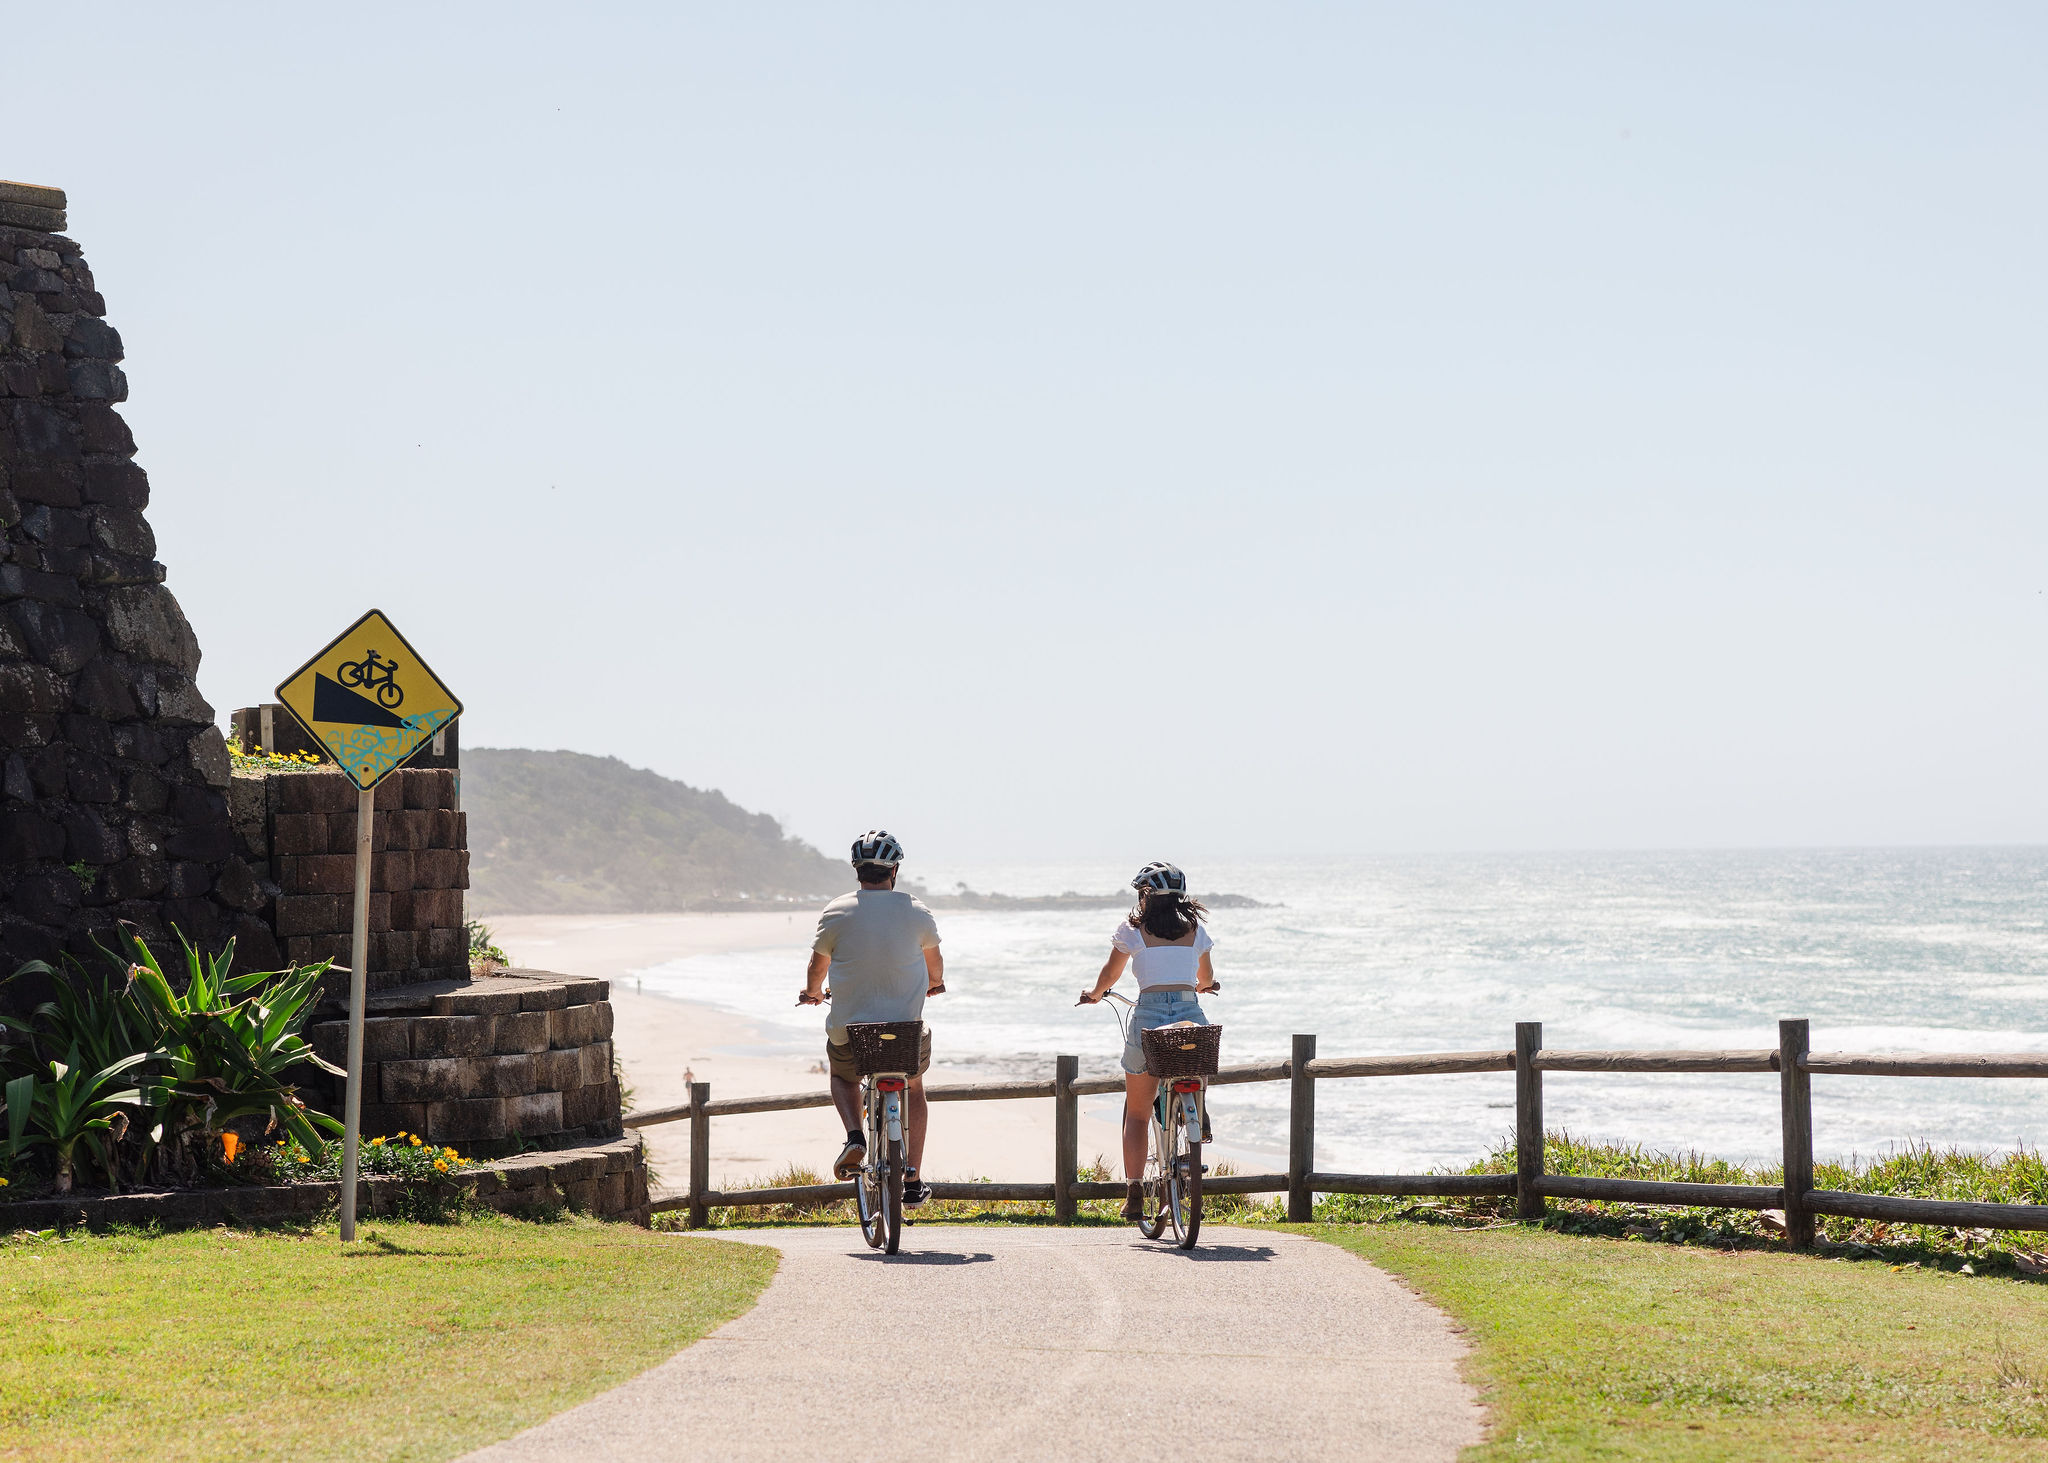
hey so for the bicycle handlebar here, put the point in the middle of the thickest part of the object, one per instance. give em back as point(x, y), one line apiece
point(805, 998)
point(1120, 996)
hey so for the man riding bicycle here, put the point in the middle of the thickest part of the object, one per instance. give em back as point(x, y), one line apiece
point(881, 949)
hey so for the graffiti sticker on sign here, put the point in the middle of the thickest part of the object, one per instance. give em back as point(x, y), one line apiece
point(369, 699)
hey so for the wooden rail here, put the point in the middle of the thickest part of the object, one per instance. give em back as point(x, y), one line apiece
point(1530, 1185)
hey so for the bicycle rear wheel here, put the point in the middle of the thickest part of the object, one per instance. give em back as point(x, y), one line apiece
point(892, 1198)
point(1183, 1178)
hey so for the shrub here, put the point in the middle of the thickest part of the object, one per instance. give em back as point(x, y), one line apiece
point(207, 1051)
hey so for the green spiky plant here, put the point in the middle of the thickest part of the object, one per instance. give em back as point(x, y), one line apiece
point(226, 1044)
point(75, 1105)
point(90, 1011)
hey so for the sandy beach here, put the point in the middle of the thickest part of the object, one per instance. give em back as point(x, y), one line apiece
point(660, 1039)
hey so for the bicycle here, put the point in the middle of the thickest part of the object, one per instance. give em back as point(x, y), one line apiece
point(1184, 1058)
point(365, 673)
point(885, 1055)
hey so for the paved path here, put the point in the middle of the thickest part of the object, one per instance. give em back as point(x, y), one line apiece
point(992, 1342)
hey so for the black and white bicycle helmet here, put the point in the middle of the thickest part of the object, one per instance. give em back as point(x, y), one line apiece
point(1163, 877)
point(877, 846)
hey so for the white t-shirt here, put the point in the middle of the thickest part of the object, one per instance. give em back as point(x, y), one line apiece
point(877, 939)
point(1160, 965)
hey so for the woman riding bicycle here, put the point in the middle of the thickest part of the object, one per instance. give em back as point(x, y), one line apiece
point(1168, 950)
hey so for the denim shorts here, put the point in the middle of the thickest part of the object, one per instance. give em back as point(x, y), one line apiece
point(1158, 1008)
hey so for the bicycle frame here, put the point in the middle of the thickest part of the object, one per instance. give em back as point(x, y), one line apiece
point(885, 1104)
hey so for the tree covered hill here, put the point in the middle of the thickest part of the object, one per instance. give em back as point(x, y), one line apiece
point(566, 833)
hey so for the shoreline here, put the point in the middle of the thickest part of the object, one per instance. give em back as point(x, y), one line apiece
point(660, 1038)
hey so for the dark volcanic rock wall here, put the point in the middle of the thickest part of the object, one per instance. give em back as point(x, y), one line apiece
point(112, 789)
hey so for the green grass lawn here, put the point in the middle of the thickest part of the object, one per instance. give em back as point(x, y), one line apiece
point(1595, 1347)
point(415, 1342)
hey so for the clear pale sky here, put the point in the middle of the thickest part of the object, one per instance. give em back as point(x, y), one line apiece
point(1090, 431)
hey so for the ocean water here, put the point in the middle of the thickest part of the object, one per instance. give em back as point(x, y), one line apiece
point(1883, 950)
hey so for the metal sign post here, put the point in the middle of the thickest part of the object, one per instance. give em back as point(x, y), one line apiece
point(372, 703)
point(358, 997)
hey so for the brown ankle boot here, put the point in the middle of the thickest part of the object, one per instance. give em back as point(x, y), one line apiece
point(1134, 1201)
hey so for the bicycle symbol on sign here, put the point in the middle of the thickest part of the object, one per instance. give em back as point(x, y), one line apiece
point(373, 673)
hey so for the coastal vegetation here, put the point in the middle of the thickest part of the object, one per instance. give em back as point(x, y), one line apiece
point(416, 1341)
point(566, 833)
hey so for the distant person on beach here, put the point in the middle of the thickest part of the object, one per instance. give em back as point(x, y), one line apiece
point(1167, 949)
point(881, 949)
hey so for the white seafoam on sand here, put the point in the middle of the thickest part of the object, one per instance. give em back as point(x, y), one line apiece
point(1933, 950)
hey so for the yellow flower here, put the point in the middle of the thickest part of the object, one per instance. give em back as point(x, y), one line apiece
point(441, 1164)
point(3, 1183)
point(416, 1143)
point(304, 1159)
point(376, 1142)
point(450, 1152)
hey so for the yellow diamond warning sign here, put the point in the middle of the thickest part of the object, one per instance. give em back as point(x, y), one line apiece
point(369, 699)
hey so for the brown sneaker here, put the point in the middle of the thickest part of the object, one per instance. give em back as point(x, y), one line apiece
point(1134, 1201)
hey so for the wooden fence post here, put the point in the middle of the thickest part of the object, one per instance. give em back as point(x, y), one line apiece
point(1795, 1101)
point(1528, 1120)
point(700, 1153)
point(1301, 1132)
point(1066, 1137)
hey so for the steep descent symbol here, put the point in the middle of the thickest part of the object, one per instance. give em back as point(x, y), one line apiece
point(332, 702)
point(373, 673)
point(349, 699)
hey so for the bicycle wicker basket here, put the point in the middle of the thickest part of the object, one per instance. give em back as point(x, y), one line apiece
point(1182, 1051)
point(885, 1046)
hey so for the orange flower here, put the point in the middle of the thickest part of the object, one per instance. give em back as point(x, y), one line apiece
point(230, 1145)
point(441, 1164)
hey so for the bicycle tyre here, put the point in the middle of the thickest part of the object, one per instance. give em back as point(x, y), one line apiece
point(397, 696)
point(867, 1196)
point(1153, 1189)
point(892, 1198)
point(1184, 1182)
point(867, 1189)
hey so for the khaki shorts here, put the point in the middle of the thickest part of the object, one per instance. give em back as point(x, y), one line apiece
point(839, 1057)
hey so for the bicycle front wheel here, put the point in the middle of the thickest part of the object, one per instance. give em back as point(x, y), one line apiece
point(867, 1197)
point(892, 1198)
point(1183, 1178)
point(869, 1187)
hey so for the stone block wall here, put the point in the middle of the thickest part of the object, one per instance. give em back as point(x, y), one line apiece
point(113, 777)
point(299, 829)
point(487, 1065)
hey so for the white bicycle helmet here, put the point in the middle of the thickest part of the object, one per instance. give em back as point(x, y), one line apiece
point(877, 846)
point(1164, 877)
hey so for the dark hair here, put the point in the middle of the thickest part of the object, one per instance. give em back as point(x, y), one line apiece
point(873, 873)
point(1167, 913)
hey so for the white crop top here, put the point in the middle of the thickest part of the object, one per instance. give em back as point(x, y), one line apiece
point(1161, 965)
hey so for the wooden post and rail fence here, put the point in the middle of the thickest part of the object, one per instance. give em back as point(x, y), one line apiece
point(1529, 1059)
